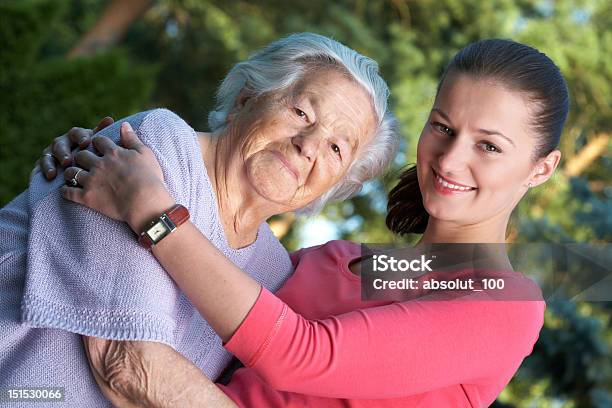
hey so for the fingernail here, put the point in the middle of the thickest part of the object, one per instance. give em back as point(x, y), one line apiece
point(127, 125)
point(66, 157)
point(83, 139)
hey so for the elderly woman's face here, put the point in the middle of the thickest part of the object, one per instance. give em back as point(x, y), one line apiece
point(297, 145)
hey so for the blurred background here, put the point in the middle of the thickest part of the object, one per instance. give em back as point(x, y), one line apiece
point(67, 63)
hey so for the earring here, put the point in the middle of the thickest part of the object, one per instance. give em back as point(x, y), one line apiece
point(529, 185)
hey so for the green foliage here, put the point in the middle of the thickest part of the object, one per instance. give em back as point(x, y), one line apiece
point(193, 43)
point(43, 96)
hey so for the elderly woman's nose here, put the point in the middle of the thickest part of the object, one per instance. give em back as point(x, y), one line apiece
point(307, 145)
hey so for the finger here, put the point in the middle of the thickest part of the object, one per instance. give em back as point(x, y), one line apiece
point(103, 144)
point(73, 194)
point(106, 121)
point(76, 176)
point(47, 164)
point(129, 139)
point(60, 149)
point(79, 136)
point(86, 159)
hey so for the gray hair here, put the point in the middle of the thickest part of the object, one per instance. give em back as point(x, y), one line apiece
point(282, 64)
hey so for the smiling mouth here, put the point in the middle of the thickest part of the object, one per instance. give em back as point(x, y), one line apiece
point(286, 163)
point(448, 187)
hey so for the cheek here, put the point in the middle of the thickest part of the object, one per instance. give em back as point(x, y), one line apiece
point(322, 177)
point(427, 147)
point(270, 178)
point(499, 182)
point(256, 135)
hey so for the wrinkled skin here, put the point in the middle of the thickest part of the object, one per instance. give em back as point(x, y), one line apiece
point(147, 374)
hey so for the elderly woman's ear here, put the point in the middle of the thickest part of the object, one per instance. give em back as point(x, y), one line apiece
point(241, 100)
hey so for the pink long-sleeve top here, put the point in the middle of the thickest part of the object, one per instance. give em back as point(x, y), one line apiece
point(317, 344)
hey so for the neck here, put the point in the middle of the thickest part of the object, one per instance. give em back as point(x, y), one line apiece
point(492, 230)
point(241, 210)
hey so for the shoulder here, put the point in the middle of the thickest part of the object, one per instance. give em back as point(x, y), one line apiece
point(163, 128)
point(163, 118)
point(176, 147)
point(330, 251)
point(155, 127)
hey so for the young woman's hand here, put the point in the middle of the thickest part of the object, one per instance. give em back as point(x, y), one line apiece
point(63, 147)
point(125, 183)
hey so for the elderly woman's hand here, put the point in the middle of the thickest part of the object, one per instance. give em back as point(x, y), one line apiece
point(125, 184)
point(148, 374)
point(63, 147)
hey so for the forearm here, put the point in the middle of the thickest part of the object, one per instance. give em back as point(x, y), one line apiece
point(222, 293)
point(148, 374)
point(183, 385)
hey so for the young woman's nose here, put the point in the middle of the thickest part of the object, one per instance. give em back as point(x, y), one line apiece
point(307, 144)
point(452, 158)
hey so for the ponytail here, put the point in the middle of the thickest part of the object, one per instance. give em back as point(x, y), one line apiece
point(405, 211)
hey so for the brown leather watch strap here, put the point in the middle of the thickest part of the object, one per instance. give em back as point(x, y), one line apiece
point(178, 214)
point(165, 224)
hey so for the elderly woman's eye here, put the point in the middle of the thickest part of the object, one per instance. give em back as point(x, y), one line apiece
point(300, 113)
point(443, 129)
point(335, 148)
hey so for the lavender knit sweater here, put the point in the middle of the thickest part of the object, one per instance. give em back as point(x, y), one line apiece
point(66, 270)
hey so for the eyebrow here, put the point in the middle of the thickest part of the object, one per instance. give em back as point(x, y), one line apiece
point(444, 115)
point(353, 143)
point(495, 132)
point(485, 131)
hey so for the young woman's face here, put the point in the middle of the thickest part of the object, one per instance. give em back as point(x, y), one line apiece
point(475, 154)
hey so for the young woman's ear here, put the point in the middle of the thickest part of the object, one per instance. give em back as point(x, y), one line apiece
point(545, 168)
point(240, 103)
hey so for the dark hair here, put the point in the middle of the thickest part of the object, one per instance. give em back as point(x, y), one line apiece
point(517, 67)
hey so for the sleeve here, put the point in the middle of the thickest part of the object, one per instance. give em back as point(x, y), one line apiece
point(87, 274)
point(248, 390)
point(389, 351)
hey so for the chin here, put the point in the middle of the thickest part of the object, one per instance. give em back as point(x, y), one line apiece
point(444, 211)
point(282, 197)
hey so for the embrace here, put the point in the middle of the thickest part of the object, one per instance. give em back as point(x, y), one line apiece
point(85, 306)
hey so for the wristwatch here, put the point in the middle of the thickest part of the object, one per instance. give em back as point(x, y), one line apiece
point(160, 227)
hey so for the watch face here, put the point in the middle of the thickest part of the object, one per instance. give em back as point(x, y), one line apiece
point(157, 231)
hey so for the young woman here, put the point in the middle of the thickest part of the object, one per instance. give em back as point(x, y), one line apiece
point(491, 135)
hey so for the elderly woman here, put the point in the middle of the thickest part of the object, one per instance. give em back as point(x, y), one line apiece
point(299, 123)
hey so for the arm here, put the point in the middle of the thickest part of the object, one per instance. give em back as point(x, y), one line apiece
point(412, 347)
point(137, 374)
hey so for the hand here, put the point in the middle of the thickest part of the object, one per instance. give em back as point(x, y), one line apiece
point(61, 147)
point(125, 184)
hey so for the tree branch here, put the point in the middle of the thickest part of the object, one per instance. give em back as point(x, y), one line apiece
point(111, 27)
point(587, 155)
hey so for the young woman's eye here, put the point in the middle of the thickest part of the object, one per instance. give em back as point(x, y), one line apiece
point(301, 114)
point(490, 148)
point(443, 129)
